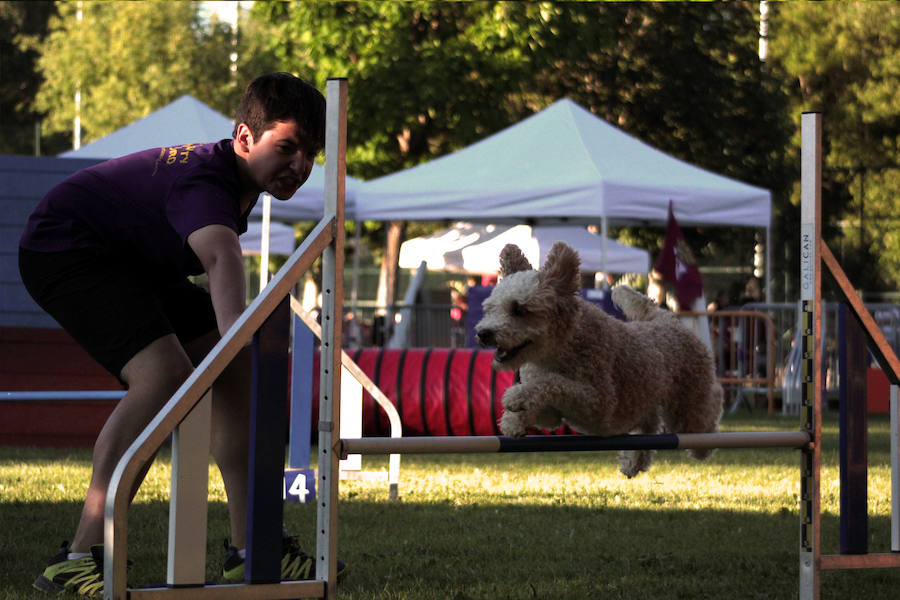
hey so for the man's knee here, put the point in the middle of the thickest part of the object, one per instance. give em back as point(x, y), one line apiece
point(162, 365)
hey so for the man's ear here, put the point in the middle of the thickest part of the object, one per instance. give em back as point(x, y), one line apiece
point(243, 137)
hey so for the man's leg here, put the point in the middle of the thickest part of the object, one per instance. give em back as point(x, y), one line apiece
point(230, 441)
point(152, 375)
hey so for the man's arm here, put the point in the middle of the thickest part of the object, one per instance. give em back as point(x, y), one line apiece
point(219, 251)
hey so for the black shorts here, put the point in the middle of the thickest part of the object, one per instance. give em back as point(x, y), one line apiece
point(111, 308)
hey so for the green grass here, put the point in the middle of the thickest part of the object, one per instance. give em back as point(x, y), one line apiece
point(508, 526)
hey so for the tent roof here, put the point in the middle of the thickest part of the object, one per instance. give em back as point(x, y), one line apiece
point(471, 248)
point(563, 164)
point(188, 121)
point(184, 121)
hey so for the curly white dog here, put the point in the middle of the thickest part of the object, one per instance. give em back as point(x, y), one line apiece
point(588, 370)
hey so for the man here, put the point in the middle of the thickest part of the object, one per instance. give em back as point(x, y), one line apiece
point(108, 253)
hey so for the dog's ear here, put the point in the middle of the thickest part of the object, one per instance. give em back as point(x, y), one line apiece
point(561, 270)
point(512, 260)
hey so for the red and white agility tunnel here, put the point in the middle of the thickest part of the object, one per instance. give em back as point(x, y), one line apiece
point(437, 391)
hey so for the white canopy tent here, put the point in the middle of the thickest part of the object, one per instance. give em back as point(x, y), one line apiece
point(474, 248)
point(281, 238)
point(184, 121)
point(565, 165)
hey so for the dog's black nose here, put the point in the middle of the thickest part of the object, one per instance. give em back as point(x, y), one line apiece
point(485, 338)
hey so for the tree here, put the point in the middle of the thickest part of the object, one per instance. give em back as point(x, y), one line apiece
point(127, 59)
point(422, 85)
point(683, 77)
point(844, 59)
point(424, 81)
point(19, 82)
point(432, 77)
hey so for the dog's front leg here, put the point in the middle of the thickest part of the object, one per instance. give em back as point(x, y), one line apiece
point(582, 406)
point(515, 420)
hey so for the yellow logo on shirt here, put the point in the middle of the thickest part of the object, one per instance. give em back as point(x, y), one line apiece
point(174, 154)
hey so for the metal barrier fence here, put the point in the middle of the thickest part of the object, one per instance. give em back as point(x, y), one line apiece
point(785, 317)
point(743, 344)
point(432, 325)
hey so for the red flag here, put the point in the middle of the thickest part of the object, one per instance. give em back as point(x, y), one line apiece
point(677, 266)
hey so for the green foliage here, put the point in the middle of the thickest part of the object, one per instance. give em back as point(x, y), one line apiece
point(432, 77)
point(844, 59)
point(128, 59)
point(424, 76)
point(19, 81)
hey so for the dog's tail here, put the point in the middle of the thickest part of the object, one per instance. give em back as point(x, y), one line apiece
point(637, 306)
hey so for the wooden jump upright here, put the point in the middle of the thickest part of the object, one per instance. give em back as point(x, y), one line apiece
point(814, 254)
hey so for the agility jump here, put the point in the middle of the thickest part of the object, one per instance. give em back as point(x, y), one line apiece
point(264, 316)
point(814, 253)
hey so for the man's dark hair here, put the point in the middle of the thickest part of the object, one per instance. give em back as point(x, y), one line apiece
point(282, 97)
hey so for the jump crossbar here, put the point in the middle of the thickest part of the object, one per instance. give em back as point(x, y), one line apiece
point(574, 443)
point(61, 396)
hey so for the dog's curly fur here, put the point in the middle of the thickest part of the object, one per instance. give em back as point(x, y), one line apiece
point(585, 369)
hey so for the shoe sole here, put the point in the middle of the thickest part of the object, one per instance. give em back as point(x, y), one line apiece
point(47, 585)
point(340, 577)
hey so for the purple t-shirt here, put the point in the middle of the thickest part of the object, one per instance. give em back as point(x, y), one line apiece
point(142, 206)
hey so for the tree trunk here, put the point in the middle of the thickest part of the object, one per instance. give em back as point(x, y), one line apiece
point(387, 278)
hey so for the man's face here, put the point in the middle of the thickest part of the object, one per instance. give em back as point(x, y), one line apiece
point(281, 160)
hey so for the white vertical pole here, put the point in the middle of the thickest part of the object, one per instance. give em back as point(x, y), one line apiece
point(811, 324)
point(603, 233)
point(190, 493)
point(895, 472)
point(76, 134)
point(264, 242)
point(332, 318)
point(351, 416)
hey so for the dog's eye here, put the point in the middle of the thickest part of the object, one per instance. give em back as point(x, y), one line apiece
point(517, 310)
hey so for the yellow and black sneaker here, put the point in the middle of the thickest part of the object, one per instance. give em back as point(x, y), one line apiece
point(296, 565)
point(82, 576)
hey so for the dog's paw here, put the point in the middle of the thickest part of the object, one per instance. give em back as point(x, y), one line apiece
point(515, 398)
point(634, 462)
point(512, 424)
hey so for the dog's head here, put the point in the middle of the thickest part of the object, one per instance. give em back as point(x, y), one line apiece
point(530, 312)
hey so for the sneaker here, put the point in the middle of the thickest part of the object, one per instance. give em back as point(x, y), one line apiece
point(83, 576)
point(296, 565)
